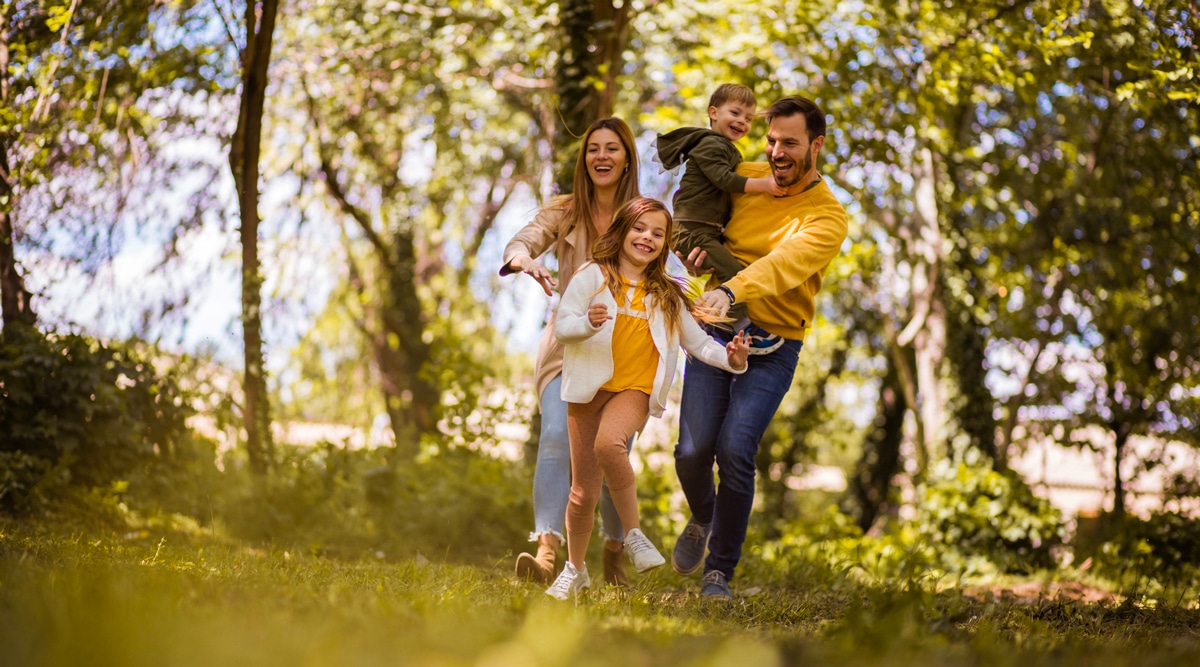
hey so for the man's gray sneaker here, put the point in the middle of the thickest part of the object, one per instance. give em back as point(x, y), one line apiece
point(688, 555)
point(714, 585)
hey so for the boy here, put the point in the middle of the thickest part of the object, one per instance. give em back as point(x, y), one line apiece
point(702, 204)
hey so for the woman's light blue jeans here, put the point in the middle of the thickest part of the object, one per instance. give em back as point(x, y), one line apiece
point(552, 477)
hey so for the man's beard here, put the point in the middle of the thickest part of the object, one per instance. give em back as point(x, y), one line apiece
point(801, 168)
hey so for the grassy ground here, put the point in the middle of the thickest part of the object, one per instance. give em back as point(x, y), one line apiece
point(79, 594)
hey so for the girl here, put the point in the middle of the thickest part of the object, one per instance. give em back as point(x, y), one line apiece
point(622, 320)
point(606, 177)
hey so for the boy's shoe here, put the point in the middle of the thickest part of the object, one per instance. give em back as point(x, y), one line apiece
point(569, 582)
point(714, 585)
point(688, 555)
point(762, 341)
point(641, 551)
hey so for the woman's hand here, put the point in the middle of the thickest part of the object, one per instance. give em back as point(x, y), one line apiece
point(531, 267)
point(598, 314)
point(738, 351)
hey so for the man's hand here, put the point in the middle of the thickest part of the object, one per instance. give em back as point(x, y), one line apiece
point(597, 315)
point(531, 267)
point(693, 262)
point(738, 350)
point(715, 302)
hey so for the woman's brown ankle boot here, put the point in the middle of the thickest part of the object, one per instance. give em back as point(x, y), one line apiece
point(614, 563)
point(540, 568)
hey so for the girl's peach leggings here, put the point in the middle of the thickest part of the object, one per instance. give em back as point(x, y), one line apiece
point(599, 431)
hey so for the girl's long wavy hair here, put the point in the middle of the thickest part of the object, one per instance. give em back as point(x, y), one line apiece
point(668, 293)
point(578, 205)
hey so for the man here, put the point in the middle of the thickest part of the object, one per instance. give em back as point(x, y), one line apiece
point(786, 243)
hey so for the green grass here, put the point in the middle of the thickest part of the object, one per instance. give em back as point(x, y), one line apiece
point(75, 593)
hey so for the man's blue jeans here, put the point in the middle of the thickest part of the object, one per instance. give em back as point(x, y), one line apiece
point(552, 476)
point(722, 418)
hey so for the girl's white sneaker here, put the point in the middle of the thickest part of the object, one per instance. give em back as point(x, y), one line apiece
point(569, 582)
point(641, 551)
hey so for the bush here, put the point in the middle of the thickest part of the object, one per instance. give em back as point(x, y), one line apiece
point(976, 512)
point(76, 409)
point(454, 501)
point(330, 500)
point(968, 521)
point(1164, 549)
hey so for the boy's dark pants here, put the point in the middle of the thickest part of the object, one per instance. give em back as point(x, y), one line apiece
point(708, 237)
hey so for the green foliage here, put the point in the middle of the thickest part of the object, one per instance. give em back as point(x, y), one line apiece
point(455, 503)
point(1156, 552)
point(833, 548)
point(970, 512)
point(457, 500)
point(968, 522)
point(95, 97)
point(88, 412)
point(20, 475)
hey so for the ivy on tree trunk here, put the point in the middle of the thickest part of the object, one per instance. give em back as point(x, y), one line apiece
point(243, 161)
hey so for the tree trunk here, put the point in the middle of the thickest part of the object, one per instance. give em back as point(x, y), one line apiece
point(1122, 431)
point(881, 450)
point(404, 320)
point(594, 36)
point(926, 332)
point(243, 161)
point(15, 305)
point(967, 350)
point(16, 299)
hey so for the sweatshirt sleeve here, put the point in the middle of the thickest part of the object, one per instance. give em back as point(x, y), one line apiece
point(534, 238)
point(701, 346)
point(790, 264)
point(571, 324)
point(717, 158)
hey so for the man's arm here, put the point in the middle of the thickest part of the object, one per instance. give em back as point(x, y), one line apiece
point(795, 260)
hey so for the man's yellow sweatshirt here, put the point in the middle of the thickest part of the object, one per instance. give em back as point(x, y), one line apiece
point(786, 243)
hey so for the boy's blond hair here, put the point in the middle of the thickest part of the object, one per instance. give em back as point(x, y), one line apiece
point(732, 92)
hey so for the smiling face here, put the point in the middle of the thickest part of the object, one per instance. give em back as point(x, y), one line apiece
point(731, 120)
point(791, 155)
point(645, 240)
point(606, 158)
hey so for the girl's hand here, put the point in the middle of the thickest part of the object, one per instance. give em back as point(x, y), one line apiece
point(531, 267)
point(598, 314)
point(738, 350)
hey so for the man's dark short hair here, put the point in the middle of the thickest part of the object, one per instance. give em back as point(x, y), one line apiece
point(814, 118)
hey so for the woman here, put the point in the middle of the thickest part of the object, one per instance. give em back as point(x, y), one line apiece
point(606, 176)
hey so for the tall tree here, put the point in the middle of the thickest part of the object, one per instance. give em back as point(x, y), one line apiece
point(594, 36)
point(244, 151)
point(91, 94)
point(16, 22)
point(398, 148)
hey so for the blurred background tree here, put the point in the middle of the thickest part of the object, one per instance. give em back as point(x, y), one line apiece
point(1023, 195)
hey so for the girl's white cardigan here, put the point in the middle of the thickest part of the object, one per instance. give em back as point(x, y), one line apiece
point(588, 361)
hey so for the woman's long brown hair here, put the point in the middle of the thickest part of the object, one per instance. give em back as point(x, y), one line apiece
point(668, 293)
point(579, 204)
